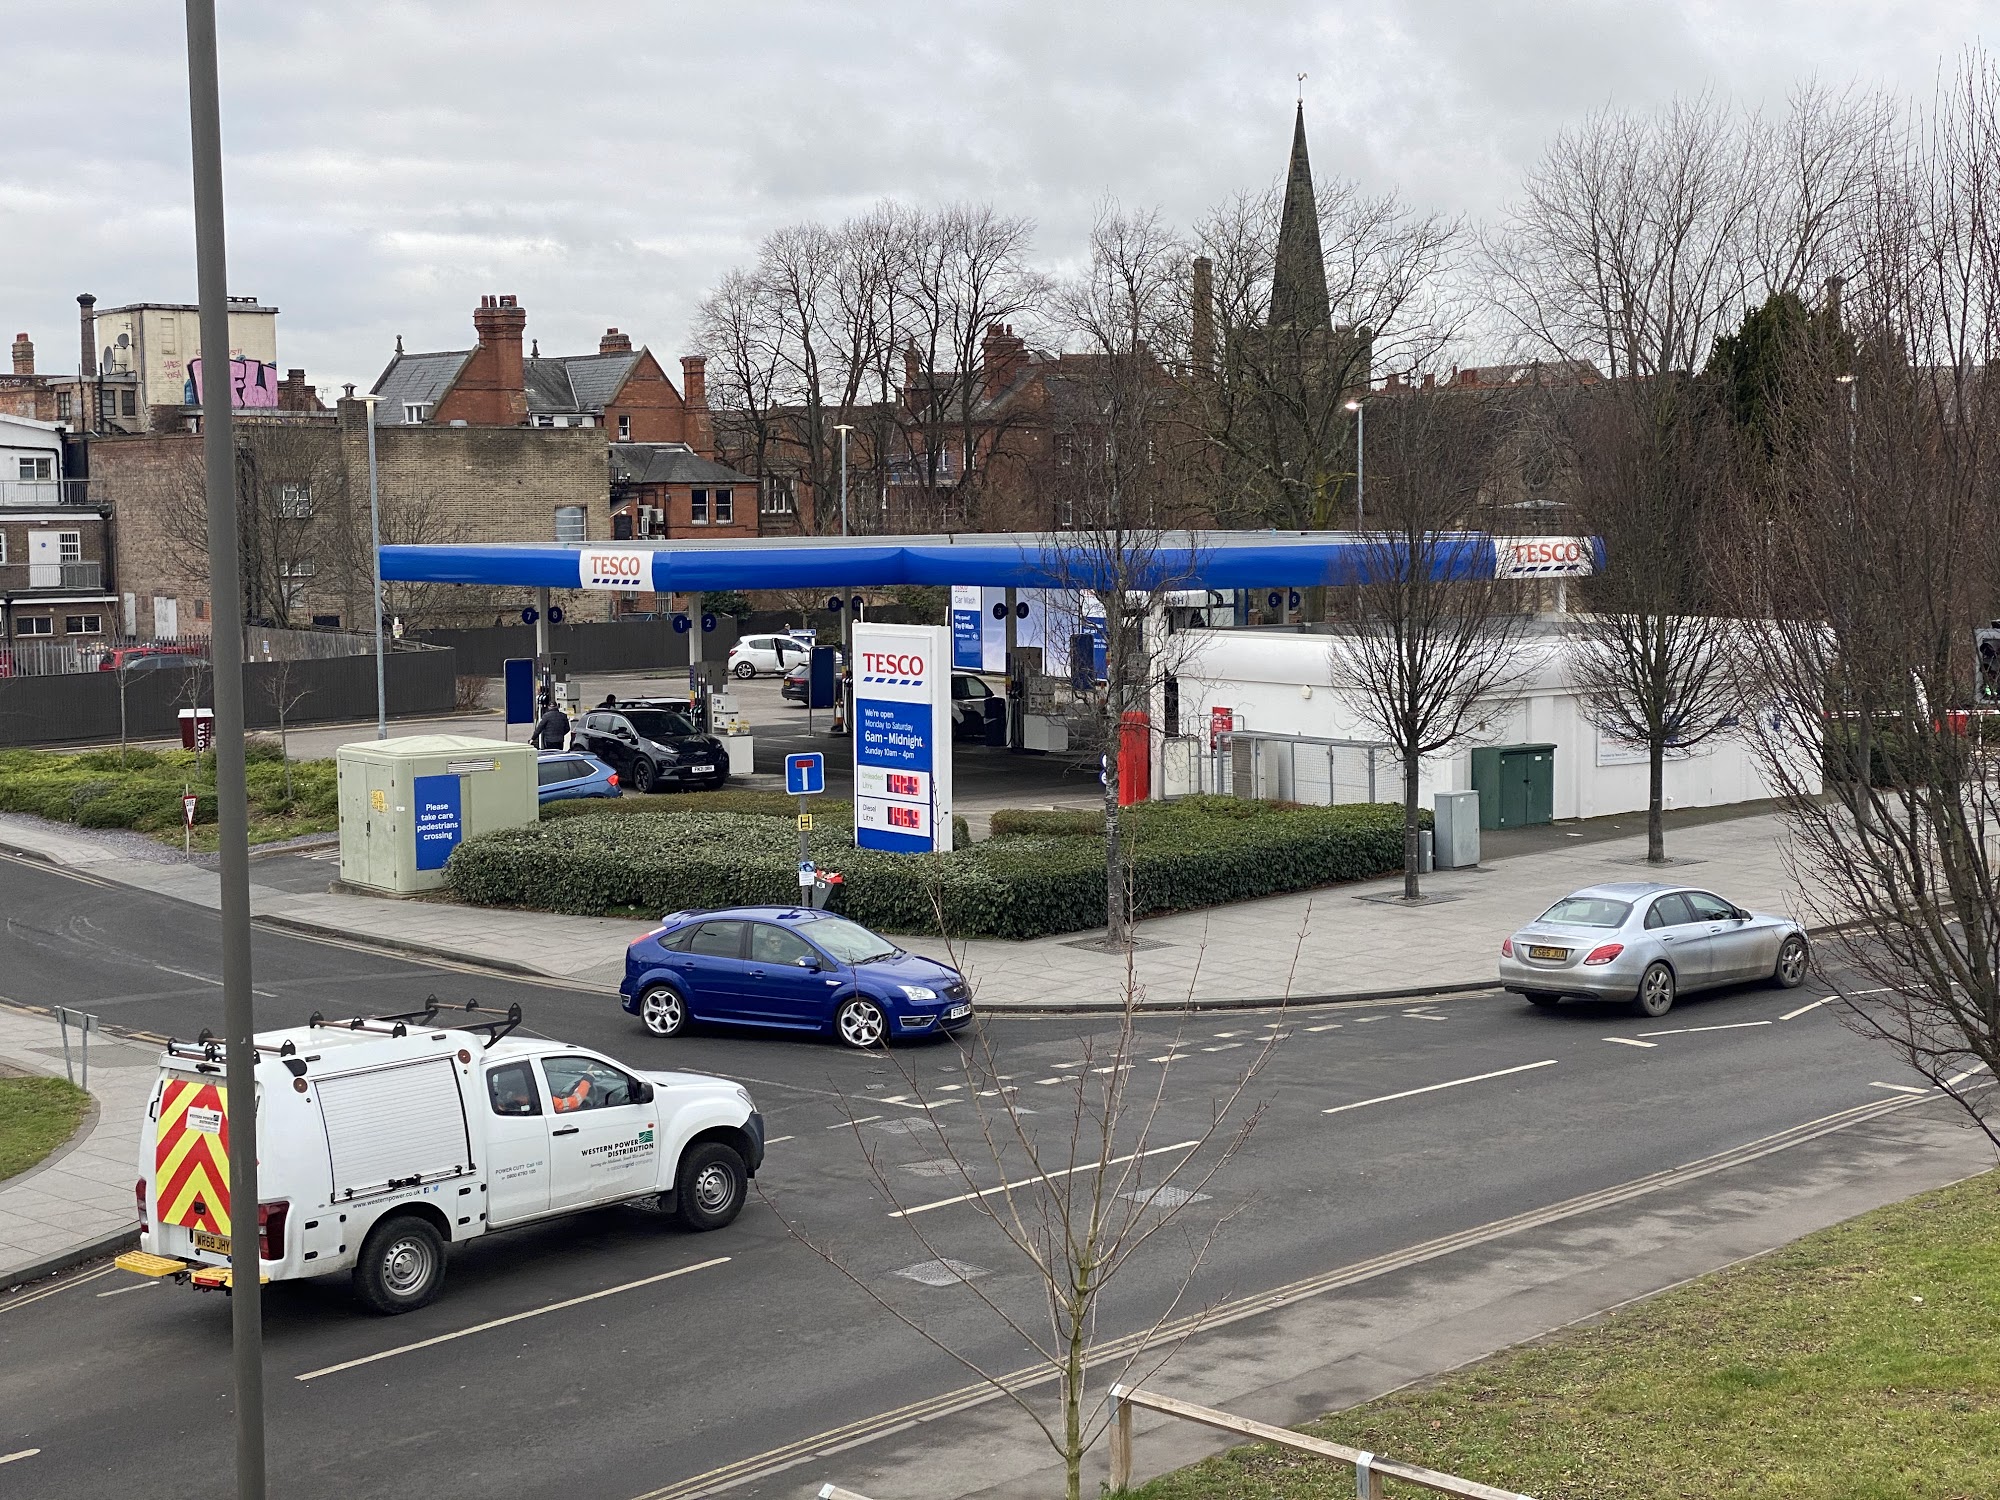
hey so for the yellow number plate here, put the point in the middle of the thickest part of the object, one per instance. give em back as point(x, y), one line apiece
point(1550, 953)
point(219, 1243)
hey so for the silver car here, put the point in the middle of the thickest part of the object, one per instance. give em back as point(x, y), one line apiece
point(1647, 943)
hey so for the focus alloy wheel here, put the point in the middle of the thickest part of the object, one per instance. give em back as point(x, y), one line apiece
point(746, 670)
point(662, 1011)
point(1792, 961)
point(861, 1023)
point(643, 775)
point(1656, 992)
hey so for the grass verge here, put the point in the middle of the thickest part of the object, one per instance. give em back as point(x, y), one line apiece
point(1861, 1363)
point(36, 1116)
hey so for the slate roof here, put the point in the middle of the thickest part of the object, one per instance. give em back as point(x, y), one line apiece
point(416, 377)
point(571, 383)
point(668, 463)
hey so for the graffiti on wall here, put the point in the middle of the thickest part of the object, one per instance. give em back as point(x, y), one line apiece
point(251, 383)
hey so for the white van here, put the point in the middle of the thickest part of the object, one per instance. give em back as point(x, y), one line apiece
point(384, 1139)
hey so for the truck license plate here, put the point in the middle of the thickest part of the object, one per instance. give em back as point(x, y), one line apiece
point(958, 1013)
point(1556, 954)
point(219, 1243)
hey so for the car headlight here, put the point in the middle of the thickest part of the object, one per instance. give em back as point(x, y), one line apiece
point(667, 752)
point(917, 992)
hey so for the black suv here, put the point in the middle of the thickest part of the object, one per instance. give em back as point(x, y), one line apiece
point(652, 744)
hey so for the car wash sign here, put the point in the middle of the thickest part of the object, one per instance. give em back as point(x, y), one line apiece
point(902, 737)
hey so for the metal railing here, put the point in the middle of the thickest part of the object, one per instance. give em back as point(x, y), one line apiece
point(1370, 1469)
point(23, 657)
point(80, 575)
point(1282, 768)
point(54, 492)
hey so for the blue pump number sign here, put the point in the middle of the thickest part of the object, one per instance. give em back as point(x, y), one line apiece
point(805, 774)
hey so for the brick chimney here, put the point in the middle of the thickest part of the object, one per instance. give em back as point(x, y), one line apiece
point(614, 342)
point(24, 355)
point(491, 390)
point(1004, 357)
point(295, 395)
point(699, 433)
point(1201, 321)
point(87, 347)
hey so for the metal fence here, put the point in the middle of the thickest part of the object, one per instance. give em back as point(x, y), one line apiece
point(1282, 768)
point(30, 658)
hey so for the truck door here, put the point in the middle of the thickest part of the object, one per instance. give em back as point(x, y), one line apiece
point(602, 1143)
point(517, 1144)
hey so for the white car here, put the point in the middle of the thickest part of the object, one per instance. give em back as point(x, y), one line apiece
point(755, 655)
point(384, 1139)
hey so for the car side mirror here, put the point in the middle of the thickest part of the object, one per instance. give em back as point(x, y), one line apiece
point(642, 1092)
point(811, 965)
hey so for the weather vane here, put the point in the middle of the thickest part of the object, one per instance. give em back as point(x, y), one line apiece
point(1302, 88)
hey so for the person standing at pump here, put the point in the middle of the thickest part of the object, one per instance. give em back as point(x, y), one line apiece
point(552, 730)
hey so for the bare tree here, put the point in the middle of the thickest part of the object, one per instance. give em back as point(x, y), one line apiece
point(286, 689)
point(1426, 636)
point(1084, 1186)
point(1888, 445)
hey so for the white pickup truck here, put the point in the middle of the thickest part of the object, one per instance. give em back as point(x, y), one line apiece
point(381, 1140)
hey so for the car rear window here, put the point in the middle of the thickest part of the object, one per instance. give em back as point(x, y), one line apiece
point(1588, 911)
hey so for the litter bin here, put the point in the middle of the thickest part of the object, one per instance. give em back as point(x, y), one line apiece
point(1425, 846)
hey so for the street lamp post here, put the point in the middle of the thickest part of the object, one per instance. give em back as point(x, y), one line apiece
point(232, 809)
point(1360, 464)
point(375, 537)
point(843, 429)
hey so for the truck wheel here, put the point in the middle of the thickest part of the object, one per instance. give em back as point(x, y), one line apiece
point(401, 1266)
point(662, 1011)
point(709, 1187)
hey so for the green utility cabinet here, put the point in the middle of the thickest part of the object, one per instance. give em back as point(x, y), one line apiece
point(405, 804)
point(1516, 785)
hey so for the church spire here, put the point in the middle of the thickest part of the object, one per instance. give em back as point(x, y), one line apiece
point(1298, 286)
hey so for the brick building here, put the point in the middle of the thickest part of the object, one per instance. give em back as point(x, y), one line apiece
point(53, 544)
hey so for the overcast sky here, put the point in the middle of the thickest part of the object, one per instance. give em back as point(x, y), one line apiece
point(388, 163)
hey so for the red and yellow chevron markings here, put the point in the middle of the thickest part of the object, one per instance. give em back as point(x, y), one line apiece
point(191, 1156)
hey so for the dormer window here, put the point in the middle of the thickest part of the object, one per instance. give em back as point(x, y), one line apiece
point(415, 412)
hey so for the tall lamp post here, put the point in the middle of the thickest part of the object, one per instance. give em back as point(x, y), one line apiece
point(232, 809)
point(1360, 464)
point(843, 429)
point(375, 538)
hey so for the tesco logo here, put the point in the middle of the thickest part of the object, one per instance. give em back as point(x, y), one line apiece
point(1549, 550)
point(892, 664)
point(615, 565)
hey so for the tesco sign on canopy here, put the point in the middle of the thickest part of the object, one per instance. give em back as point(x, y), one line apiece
point(612, 569)
point(1543, 557)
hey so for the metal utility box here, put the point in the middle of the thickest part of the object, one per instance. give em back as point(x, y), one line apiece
point(1516, 785)
point(1456, 824)
point(405, 804)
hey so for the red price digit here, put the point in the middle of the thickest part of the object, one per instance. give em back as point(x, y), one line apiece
point(903, 817)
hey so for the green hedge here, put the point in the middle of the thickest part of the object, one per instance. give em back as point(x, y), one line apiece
point(93, 790)
point(1047, 822)
point(1194, 853)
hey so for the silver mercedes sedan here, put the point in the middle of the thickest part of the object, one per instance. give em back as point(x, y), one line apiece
point(1647, 943)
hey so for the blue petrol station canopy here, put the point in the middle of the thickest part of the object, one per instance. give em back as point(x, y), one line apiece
point(1029, 560)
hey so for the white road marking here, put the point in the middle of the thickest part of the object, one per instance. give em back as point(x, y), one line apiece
point(536, 1312)
point(1364, 1020)
point(137, 1286)
point(843, 1124)
point(1329, 1026)
point(1432, 1088)
point(1899, 1088)
point(1691, 1030)
point(946, 1088)
point(1166, 1057)
point(1793, 1015)
point(1089, 1166)
point(1045, 1082)
point(8, 1458)
point(190, 974)
point(1228, 1033)
point(1225, 1047)
point(778, 1140)
point(1417, 1015)
point(1626, 1041)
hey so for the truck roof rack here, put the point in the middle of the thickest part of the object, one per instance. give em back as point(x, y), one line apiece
point(503, 1022)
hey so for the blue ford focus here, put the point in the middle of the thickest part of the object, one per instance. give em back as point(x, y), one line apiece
point(792, 969)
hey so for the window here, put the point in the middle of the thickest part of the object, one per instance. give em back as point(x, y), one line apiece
point(415, 411)
point(699, 503)
point(659, 724)
point(69, 546)
point(570, 524)
point(624, 428)
point(1668, 911)
point(33, 469)
point(512, 1090)
point(1587, 911)
point(1065, 449)
point(718, 939)
point(542, 419)
point(550, 772)
point(776, 498)
point(3, 546)
point(1707, 908)
point(851, 943)
point(129, 405)
point(62, 406)
point(295, 501)
point(201, 609)
point(725, 507)
point(83, 624)
point(585, 1083)
point(34, 625)
point(774, 945)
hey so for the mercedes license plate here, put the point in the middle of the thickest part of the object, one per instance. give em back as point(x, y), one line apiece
point(219, 1243)
point(958, 1013)
point(1555, 954)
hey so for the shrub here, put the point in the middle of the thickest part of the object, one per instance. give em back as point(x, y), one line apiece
point(90, 789)
point(1015, 822)
point(1198, 852)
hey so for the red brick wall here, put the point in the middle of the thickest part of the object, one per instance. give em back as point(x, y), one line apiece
point(657, 412)
point(491, 390)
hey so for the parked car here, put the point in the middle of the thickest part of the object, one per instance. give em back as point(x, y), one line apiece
point(793, 689)
point(151, 658)
point(973, 703)
point(791, 969)
point(756, 655)
point(1648, 943)
point(564, 774)
point(652, 745)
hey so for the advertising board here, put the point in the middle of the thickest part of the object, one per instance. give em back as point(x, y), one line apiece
point(1543, 557)
point(902, 737)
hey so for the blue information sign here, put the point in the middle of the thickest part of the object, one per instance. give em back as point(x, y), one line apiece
point(439, 826)
point(805, 774)
point(519, 672)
